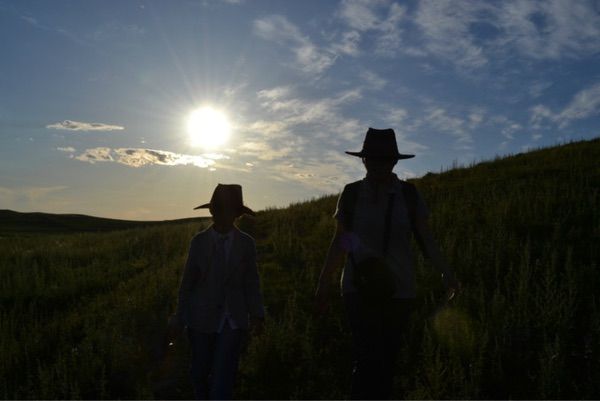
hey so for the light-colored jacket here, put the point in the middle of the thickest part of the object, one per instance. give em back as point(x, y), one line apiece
point(204, 293)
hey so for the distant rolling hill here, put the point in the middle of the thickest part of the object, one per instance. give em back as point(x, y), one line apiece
point(12, 222)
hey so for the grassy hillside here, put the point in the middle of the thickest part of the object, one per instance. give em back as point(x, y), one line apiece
point(81, 313)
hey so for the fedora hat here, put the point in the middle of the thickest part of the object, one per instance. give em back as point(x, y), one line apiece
point(380, 143)
point(228, 195)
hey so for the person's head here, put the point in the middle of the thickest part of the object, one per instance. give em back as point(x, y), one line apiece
point(226, 204)
point(379, 167)
point(380, 153)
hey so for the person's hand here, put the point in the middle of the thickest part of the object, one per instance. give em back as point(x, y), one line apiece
point(453, 287)
point(173, 331)
point(256, 326)
point(321, 301)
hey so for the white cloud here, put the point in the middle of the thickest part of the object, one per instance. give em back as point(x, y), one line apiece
point(70, 125)
point(265, 150)
point(379, 16)
point(323, 116)
point(585, 103)
point(135, 157)
point(439, 119)
point(550, 29)
point(537, 88)
point(68, 149)
point(360, 14)
point(539, 114)
point(476, 117)
point(446, 27)
point(373, 80)
point(348, 44)
point(469, 33)
point(311, 58)
point(397, 116)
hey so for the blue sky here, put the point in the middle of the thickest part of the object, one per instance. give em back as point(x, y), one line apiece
point(95, 95)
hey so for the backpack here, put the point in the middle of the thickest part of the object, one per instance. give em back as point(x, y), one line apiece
point(409, 191)
point(372, 278)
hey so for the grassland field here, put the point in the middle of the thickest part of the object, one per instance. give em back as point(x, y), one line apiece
point(82, 313)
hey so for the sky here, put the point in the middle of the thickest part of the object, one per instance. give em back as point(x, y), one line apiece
point(96, 96)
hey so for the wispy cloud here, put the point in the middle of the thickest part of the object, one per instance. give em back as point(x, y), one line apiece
point(550, 29)
point(323, 116)
point(70, 125)
point(136, 157)
point(470, 34)
point(116, 31)
point(37, 24)
point(538, 116)
point(379, 16)
point(537, 88)
point(585, 103)
point(446, 26)
point(68, 149)
point(309, 57)
point(373, 80)
point(457, 127)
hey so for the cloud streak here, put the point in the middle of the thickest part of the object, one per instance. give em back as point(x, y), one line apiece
point(380, 16)
point(309, 57)
point(138, 157)
point(470, 34)
point(70, 125)
point(584, 104)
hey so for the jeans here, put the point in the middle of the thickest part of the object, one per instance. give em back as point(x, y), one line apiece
point(377, 334)
point(215, 358)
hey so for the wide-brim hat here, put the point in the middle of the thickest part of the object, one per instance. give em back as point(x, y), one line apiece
point(229, 195)
point(381, 144)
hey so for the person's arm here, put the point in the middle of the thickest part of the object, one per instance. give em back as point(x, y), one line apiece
point(334, 259)
point(254, 300)
point(190, 274)
point(177, 321)
point(432, 250)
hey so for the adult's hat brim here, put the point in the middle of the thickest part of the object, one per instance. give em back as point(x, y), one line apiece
point(399, 156)
point(245, 209)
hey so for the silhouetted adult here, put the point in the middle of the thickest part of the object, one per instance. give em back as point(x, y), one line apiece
point(375, 217)
point(219, 296)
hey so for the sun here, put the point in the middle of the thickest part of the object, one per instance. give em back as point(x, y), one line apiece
point(208, 128)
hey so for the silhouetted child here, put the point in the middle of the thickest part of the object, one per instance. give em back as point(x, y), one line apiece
point(219, 297)
point(375, 217)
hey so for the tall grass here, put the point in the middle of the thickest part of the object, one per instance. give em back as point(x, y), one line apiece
point(81, 314)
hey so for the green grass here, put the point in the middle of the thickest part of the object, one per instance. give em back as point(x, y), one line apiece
point(82, 313)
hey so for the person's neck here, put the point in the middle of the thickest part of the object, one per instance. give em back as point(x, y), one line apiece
point(380, 181)
point(223, 228)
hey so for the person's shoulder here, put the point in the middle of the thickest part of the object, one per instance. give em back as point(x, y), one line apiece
point(245, 237)
point(353, 186)
point(201, 235)
point(404, 184)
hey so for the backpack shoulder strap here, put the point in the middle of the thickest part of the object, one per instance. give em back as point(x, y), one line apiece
point(350, 199)
point(410, 197)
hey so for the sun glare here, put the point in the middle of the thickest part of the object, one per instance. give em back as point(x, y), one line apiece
point(208, 128)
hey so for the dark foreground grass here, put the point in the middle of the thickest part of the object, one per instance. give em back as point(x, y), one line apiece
point(82, 314)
